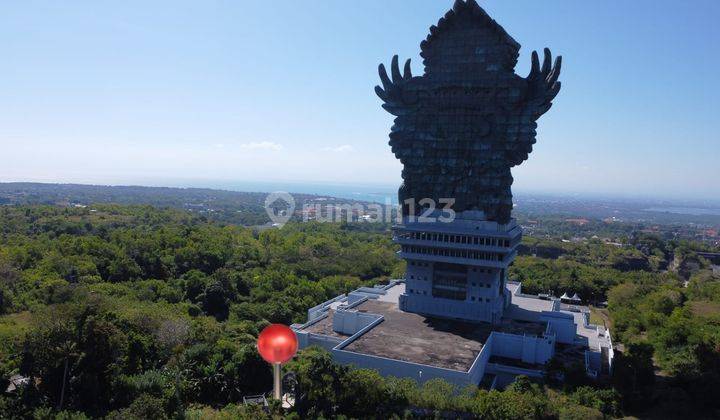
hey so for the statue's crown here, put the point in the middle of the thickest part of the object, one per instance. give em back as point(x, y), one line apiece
point(466, 41)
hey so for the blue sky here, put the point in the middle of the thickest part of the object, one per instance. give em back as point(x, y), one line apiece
point(193, 93)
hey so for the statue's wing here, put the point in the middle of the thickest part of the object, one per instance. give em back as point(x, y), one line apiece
point(543, 83)
point(392, 91)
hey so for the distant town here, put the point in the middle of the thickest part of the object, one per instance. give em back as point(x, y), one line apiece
point(573, 218)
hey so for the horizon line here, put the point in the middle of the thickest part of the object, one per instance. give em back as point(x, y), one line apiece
point(217, 185)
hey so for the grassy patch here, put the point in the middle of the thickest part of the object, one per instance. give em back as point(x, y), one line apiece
point(12, 329)
point(705, 309)
point(20, 319)
point(599, 316)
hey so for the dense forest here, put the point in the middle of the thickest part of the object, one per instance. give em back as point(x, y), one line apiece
point(236, 207)
point(134, 311)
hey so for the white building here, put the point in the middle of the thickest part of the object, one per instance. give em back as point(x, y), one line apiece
point(455, 315)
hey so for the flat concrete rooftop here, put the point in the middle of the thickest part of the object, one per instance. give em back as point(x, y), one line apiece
point(415, 338)
point(525, 307)
point(325, 327)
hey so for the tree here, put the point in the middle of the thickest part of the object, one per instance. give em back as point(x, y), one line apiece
point(194, 284)
point(575, 412)
point(48, 353)
point(9, 278)
point(215, 301)
point(366, 394)
point(320, 383)
point(633, 371)
point(68, 350)
point(144, 407)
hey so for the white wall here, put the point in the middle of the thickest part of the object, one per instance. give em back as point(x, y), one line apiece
point(350, 322)
point(529, 349)
point(562, 324)
point(447, 307)
point(306, 339)
point(390, 367)
point(507, 345)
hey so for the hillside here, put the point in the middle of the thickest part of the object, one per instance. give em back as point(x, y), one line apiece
point(124, 311)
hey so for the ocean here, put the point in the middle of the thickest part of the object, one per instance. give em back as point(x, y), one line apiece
point(371, 193)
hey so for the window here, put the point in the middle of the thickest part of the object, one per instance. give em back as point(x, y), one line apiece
point(450, 281)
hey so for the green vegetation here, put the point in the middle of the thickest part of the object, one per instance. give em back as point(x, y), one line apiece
point(664, 307)
point(106, 307)
point(680, 329)
point(327, 390)
point(139, 312)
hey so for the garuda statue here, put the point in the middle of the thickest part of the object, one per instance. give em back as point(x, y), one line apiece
point(469, 118)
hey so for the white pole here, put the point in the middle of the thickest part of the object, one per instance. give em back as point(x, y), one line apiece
point(276, 381)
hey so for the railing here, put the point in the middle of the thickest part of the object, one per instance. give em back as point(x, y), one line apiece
point(454, 245)
point(317, 310)
point(515, 370)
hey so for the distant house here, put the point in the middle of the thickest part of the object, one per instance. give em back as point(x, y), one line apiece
point(16, 382)
point(565, 298)
point(255, 400)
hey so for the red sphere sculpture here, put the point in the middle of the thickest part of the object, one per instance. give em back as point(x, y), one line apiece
point(277, 343)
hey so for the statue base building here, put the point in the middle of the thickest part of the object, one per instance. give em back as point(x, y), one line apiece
point(455, 315)
point(368, 328)
point(457, 269)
